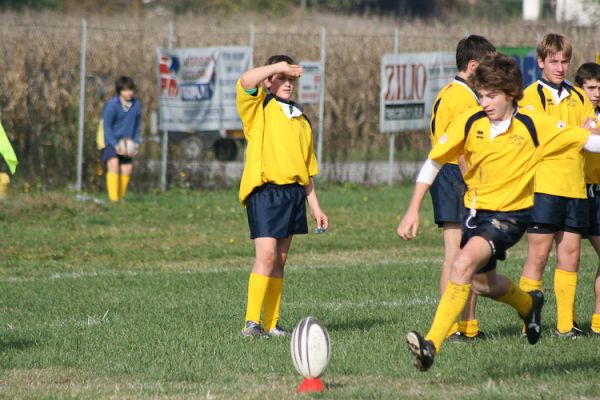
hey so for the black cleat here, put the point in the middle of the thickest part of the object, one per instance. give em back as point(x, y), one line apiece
point(533, 320)
point(422, 350)
point(573, 334)
point(461, 337)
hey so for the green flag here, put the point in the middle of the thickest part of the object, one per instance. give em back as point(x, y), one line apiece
point(7, 151)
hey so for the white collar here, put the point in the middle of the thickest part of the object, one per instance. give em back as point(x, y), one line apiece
point(500, 127)
point(290, 109)
point(557, 94)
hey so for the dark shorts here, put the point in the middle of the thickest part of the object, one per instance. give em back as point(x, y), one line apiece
point(551, 214)
point(447, 195)
point(277, 211)
point(594, 206)
point(109, 152)
point(501, 230)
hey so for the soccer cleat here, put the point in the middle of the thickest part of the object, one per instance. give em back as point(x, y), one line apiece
point(252, 329)
point(533, 320)
point(422, 350)
point(278, 331)
point(573, 334)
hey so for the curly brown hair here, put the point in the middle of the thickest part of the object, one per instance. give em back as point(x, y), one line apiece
point(501, 73)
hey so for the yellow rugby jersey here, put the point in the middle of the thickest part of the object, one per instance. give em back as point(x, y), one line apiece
point(500, 168)
point(280, 143)
point(454, 99)
point(564, 176)
point(592, 160)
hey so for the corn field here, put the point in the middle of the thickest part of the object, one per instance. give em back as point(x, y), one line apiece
point(40, 66)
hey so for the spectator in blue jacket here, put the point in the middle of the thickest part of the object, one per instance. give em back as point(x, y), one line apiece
point(122, 120)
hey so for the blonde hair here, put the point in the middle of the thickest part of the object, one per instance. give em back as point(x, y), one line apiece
point(553, 43)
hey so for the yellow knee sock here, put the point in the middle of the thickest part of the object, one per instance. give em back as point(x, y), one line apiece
point(453, 329)
point(123, 182)
point(257, 288)
point(565, 284)
point(112, 186)
point(517, 298)
point(451, 305)
point(596, 323)
point(469, 328)
point(273, 303)
point(529, 284)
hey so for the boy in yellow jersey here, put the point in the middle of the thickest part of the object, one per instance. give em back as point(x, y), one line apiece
point(276, 182)
point(448, 189)
point(588, 79)
point(560, 213)
point(502, 146)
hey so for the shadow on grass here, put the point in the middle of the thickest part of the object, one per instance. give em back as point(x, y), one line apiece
point(16, 344)
point(361, 325)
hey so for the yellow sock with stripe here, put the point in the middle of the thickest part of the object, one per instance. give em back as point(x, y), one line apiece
point(596, 323)
point(257, 289)
point(112, 186)
point(451, 305)
point(273, 303)
point(517, 298)
point(565, 285)
point(123, 182)
point(469, 328)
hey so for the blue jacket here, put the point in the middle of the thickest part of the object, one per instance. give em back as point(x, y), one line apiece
point(119, 123)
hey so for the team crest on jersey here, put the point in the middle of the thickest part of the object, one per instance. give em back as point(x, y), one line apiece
point(516, 140)
point(573, 102)
point(561, 125)
point(549, 102)
point(443, 139)
point(479, 134)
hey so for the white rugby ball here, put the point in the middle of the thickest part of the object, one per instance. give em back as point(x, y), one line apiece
point(127, 147)
point(310, 347)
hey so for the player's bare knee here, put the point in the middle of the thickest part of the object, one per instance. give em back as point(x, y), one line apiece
point(462, 269)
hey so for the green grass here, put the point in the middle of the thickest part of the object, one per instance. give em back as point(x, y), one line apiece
point(146, 300)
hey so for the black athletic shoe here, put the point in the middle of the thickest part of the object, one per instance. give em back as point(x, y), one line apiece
point(461, 337)
point(422, 350)
point(573, 334)
point(533, 320)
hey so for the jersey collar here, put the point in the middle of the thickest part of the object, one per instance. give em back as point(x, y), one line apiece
point(290, 108)
point(500, 127)
point(559, 92)
point(460, 81)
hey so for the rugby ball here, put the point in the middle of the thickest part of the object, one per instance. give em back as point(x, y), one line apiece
point(310, 347)
point(127, 147)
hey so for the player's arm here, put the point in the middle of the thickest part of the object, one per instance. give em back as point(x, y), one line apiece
point(252, 78)
point(313, 202)
point(449, 147)
point(108, 116)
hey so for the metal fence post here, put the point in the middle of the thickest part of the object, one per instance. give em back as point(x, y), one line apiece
point(392, 148)
point(82, 75)
point(165, 136)
point(321, 98)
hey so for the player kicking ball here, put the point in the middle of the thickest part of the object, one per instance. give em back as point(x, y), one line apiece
point(502, 146)
point(276, 183)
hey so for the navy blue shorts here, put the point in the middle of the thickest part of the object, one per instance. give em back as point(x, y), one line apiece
point(594, 205)
point(501, 230)
point(109, 152)
point(447, 195)
point(551, 214)
point(277, 211)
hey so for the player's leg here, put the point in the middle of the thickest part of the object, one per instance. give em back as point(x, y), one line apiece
point(272, 302)
point(452, 236)
point(112, 178)
point(539, 246)
point(265, 265)
point(568, 246)
point(595, 240)
point(125, 176)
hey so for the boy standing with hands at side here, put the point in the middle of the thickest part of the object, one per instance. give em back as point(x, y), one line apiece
point(276, 182)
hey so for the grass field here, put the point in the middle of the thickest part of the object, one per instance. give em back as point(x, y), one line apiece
point(146, 300)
